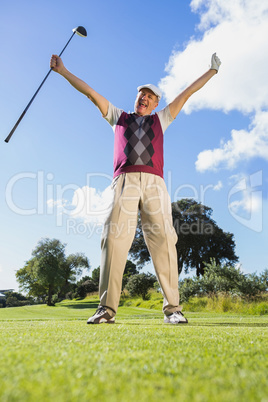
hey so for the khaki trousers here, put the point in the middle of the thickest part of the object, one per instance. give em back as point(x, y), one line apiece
point(147, 193)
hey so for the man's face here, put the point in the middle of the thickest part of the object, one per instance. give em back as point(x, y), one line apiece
point(146, 102)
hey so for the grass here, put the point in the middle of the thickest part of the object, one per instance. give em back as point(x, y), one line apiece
point(221, 303)
point(50, 354)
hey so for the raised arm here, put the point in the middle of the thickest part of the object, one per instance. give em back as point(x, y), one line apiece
point(102, 103)
point(176, 105)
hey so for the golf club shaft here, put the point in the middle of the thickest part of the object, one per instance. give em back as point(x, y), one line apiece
point(29, 104)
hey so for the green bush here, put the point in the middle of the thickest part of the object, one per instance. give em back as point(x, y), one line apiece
point(14, 299)
point(86, 287)
point(224, 279)
point(259, 308)
point(140, 284)
point(196, 304)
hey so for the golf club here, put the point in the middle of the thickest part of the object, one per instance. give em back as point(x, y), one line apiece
point(81, 31)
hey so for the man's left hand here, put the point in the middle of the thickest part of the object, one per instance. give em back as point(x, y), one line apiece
point(215, 62)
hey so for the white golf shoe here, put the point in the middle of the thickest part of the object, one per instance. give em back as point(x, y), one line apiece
point(101, 316)
point(175, 318)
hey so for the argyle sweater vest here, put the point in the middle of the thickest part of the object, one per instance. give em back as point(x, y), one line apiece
point(138, 144)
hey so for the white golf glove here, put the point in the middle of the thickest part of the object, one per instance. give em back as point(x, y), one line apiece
point(215, 62)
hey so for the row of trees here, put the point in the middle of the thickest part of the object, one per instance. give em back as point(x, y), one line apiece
point(217, 279)
point(15, 299)
point(50, 274)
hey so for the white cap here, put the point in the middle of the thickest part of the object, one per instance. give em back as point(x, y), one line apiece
point(153, 88)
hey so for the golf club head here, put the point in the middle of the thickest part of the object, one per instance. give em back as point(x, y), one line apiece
point(81, 31)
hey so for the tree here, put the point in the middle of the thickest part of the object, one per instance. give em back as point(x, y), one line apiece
point(96, 275)
point(49, 271)
point(82, 280)
point(72, 268)
point(199, 238)
point(77, 289)
point(130, 270)
point(140, 284)
point(28, 281)
point(264, 279)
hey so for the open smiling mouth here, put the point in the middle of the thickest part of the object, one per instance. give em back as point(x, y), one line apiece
point(142, 104)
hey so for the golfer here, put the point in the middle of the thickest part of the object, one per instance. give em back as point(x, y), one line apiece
point(138, 185)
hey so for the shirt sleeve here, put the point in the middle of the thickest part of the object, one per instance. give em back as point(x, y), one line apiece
point(113, 114)
point(165, 118)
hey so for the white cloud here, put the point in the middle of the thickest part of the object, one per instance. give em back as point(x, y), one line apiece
point(218, 186)
point(240, 40)
point(248, 210)
point(243, 145)
point(56, 203)
point(88, 203)
point(213, 12)
point(246, 193)
point(237, 30)
point(249, 204)
point(91, 205)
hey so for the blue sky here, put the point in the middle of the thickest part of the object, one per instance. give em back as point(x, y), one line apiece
point(62, 152)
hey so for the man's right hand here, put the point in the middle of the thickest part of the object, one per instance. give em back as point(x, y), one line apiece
point(56, 64)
